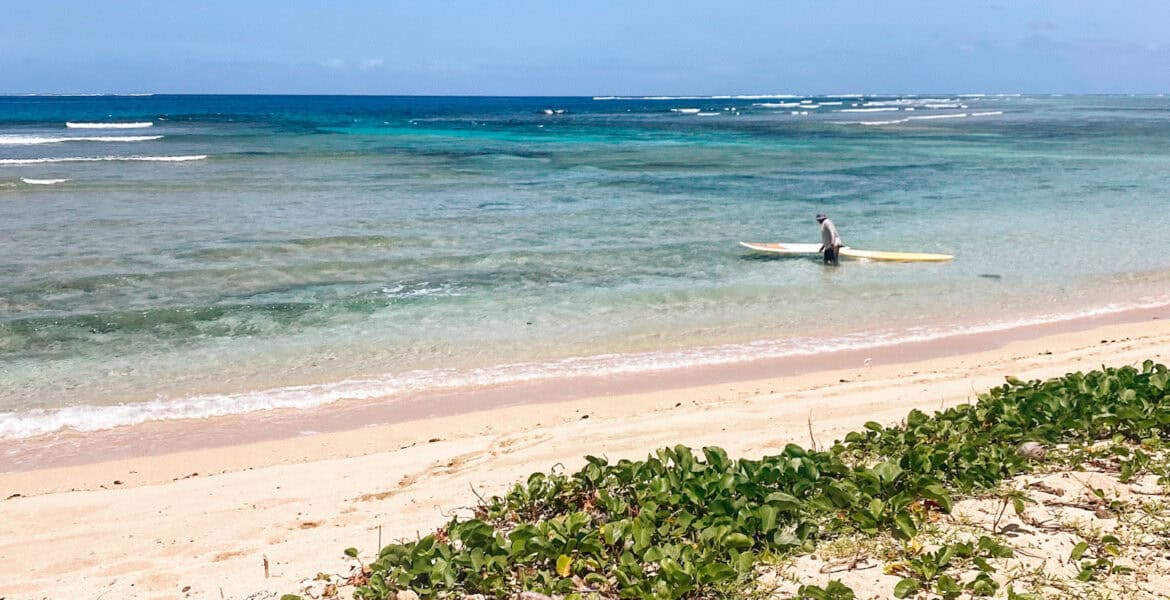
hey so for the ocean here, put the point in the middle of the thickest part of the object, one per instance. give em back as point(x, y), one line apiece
point(170, 257)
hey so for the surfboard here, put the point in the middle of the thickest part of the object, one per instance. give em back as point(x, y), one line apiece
point(846, 252)
point(895, 256)
point(782, 248)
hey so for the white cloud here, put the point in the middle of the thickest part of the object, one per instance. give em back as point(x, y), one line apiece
point(370, 63)
point(334, 63)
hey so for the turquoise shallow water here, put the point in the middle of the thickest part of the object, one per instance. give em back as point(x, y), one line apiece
point(244, 253)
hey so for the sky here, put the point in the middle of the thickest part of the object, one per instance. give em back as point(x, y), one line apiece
point(584, 47)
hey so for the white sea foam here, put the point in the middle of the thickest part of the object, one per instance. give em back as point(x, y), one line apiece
point(776, 104)
point(32, 181)
point(925, 117)
point(36, 161)
point(868, 110)
point(892, 122)
point(15, 425)
point(28, 140)
point(935, 103)
point(906, 120)
point(686, 111)
point(135, 125)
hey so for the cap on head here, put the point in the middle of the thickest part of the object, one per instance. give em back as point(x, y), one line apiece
point(820, 217)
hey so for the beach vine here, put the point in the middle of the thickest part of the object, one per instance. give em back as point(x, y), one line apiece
point(687, 524)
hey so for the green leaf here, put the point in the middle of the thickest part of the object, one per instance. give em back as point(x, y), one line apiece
point(811, 592)
point(835, 590)
point(716, 457)
point(351, 552)
point(994, 548)
point(564, 565)
point(944, 555)
point(596, 580)
point(887, 471)
point(939, 495)
point(744, 562)
point(839, 591)
point(737, 541)
point(983, 585)
point(905, 524)
point(946, 583)
point(712, 573)
point(783, 501)
point(905, 588)
point(1078, 551)
point(768, 515)
point(784, 539)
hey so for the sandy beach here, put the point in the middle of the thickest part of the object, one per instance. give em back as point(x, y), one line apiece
point(260, 515)
point(366, 300)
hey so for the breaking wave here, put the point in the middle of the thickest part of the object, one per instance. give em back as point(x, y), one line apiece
point(36, 161)
point(134, 125)
point(29, 140)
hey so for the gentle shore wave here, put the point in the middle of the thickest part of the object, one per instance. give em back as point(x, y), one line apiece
point(37, 422)
point(31, 140)
point(32, 181)
point(68, 159)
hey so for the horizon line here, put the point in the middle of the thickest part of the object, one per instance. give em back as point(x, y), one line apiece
point(651, 96)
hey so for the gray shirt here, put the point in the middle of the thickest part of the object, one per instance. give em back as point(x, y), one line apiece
point(829, 236)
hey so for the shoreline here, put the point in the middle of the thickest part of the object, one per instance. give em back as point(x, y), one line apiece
point(156, 438)
point(151, 526)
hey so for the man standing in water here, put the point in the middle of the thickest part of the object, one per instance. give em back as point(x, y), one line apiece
point(830, 240)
